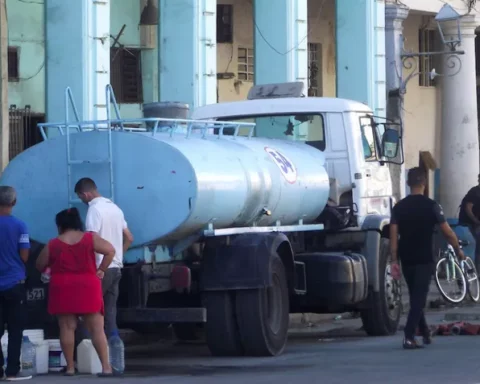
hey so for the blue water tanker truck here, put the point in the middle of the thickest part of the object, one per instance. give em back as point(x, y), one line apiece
point(242, 214)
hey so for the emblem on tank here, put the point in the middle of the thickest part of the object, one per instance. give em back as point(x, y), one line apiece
point(288, 170)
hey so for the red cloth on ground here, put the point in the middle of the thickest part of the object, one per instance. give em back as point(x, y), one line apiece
point(74, 285)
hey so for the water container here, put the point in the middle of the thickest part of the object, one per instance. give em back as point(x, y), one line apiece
point(56, 359)
point(5, 354)
point(42, 351)
point(166, 109)
point(117, 352)
point(87, 358)
point(28, 358)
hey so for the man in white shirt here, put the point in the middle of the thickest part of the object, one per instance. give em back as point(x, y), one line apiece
point(106, 218)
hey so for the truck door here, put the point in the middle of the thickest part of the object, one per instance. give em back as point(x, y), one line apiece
point(378, 186)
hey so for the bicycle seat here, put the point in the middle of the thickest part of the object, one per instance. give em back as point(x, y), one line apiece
point(463, 243)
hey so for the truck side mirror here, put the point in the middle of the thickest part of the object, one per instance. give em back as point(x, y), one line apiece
point(390, 143)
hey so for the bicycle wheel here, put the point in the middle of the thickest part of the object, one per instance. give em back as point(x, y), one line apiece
point(472, 280)
point(450, 280)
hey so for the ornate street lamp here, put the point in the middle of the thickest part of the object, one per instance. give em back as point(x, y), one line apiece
point(446, 15)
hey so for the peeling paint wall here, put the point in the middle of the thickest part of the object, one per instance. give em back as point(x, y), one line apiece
point(321, 26)
point(26, 32)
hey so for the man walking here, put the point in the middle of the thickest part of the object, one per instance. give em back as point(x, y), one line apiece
point(107, 219)
point(469, 217)
point(14, 250)
point(414, 219)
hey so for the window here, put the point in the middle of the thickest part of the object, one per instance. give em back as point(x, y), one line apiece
point(224, 23)
point(426, 43)
point(368, 139)
point(314, 69)
point(126, 75)
point(245, 64)
point(309, 128)
point(13, 74)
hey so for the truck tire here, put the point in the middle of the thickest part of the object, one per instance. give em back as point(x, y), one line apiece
point(382, 315)
point(263, 314)
point(221, 327)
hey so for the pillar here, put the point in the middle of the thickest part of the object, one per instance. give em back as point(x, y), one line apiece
point(360, 52)
point(77, 38)
point(395, 15)
point(459, 165)
point(280, 41)
point(188, 51)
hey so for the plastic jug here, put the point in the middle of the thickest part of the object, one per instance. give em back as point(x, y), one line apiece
point(117, 352)
point(28, 357)
point(87, 358)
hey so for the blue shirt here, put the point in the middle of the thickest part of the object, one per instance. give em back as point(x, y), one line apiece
point(13, 237)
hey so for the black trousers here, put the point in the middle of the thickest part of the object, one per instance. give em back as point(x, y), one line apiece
point(475, 231)
point(12, 313)
point(418, 279)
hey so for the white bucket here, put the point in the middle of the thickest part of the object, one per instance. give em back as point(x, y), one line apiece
point(56, 359)
point(42, 357)
point(34, 335)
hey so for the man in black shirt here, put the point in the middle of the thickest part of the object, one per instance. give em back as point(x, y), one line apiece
point(469, 217)
point(414, 219)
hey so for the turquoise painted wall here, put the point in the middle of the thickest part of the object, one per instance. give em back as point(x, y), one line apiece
point(26, 31)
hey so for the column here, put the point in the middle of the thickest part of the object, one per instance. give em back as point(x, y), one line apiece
point(77, 38)
point(395, 15)
point(188, 52)
point(360, 52)
point(459, 165)
point(280, 41)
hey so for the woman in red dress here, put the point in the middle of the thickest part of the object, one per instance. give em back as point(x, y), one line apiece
point(75, 284)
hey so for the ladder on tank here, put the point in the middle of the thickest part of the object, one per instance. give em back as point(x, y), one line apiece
point(88, 126)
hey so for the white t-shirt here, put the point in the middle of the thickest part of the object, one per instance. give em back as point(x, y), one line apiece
point(107, 220)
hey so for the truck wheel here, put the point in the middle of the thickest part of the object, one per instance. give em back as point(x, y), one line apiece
point(221, 327)
point(382, 316)
point(263, 314)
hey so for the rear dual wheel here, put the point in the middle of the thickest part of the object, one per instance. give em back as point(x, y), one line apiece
point(252, 322)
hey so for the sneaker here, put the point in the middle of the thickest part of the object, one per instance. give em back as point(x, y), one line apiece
point(18, 377)
point(411, 344)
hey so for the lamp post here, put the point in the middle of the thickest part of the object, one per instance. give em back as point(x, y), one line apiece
point(398, 60)
point(410, 59)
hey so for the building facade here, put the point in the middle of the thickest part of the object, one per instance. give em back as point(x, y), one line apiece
point(207, 51)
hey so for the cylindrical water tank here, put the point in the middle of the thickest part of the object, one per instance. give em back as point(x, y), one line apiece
point(167, 110)
point(172, 187)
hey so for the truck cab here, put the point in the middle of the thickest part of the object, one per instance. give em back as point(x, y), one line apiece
point(357, 146)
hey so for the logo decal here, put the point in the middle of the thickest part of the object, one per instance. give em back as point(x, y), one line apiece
point(288, 170)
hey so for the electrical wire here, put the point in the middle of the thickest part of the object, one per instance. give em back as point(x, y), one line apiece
point(257, 28)
point(31, 2)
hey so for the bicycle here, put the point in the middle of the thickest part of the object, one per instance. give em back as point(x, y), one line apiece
point(462, 274)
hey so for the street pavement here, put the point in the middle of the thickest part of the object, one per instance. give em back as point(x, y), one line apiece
point(323, 356)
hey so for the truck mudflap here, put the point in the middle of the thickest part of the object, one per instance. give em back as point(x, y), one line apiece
point(243, 263)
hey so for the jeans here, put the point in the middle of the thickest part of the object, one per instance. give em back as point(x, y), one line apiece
point(418, 279)
point(110, 287)
point(12, 313)
point(475, 231)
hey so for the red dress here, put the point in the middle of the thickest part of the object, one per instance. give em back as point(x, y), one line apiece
point(74, 286)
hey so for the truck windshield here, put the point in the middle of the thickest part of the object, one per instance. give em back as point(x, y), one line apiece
point(306, 127)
